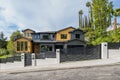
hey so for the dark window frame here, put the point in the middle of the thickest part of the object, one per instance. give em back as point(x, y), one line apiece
point(45, 37)
point(63, 36)
point(77, 36)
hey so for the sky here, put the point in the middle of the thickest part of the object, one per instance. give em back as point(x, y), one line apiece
point(41, 15)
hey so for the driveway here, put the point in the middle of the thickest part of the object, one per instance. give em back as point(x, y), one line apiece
point(108, 72)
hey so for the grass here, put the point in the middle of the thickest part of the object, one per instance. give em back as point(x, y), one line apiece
point(5, 56)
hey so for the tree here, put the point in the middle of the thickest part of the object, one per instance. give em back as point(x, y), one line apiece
point(15, 34)
point(88, 4)
point(110, 12)
point(3, 42)
point(116, 13)
point(100, 13)
point(80, 18)
point(10, 47)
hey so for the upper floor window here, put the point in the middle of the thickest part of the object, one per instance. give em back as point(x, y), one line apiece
point(24, 34)
point(45, 36)
point(29, 34)
point(77, 36)
point(36, 36)
point(63, 36)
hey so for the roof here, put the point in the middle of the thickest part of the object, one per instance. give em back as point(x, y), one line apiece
point(28, 29)
point(50, 32)
point(76, 30)
point(76, 40)
point(24, 38)
point(66, 28)
point(44, 41)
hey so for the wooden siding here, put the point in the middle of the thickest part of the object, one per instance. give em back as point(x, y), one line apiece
point(36, 48)
point(26, 32)
point(29, 50)
point(65, 31)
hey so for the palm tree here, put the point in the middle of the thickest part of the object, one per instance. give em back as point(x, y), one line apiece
point(88, 4)
point(80, 18)
point(109, 10)
point(116, 13)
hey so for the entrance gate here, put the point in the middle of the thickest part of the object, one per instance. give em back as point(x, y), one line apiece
point(28, 59)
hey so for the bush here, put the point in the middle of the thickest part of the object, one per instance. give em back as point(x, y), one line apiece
point(3, 52)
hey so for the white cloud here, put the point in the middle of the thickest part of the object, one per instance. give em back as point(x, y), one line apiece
point(40, 15)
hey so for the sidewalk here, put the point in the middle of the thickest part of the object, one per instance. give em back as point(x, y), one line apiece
point(65, 65)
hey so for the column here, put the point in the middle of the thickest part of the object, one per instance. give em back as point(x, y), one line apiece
point(58, 55)
point(33, 59)
point(104, 50)
point(23, 59)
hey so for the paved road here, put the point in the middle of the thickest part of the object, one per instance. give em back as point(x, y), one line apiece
point(110, 72)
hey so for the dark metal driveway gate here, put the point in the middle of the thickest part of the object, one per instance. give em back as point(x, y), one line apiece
point(28, 59)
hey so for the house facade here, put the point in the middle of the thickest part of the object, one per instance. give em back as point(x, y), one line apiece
point(37, 42)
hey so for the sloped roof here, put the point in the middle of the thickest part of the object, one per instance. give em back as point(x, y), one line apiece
point(77, 30)
point(28, 29)
point(65, 29)
point(51, 32)
point(24, 38)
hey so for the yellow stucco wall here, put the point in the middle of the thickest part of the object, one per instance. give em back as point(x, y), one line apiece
point(29, 50)
point(64, 31)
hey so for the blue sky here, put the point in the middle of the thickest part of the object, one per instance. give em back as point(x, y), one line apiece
point(41, 15)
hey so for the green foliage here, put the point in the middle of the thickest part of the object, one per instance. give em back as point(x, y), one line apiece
point(101, 10)
point(10, 47)
point(3, 42)
point(3, 52)
point(95, 37)
point(15, 34)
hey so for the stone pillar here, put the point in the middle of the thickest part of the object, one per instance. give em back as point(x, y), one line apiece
point(23, 59)
point(33, 59)
point(104, 50)
point(58, 55)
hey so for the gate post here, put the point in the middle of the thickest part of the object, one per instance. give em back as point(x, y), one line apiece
point(58, 55)
point(23, 59)
point(104, 50)
point(33, 59)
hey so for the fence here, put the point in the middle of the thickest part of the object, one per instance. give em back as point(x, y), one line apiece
point(12, 62)
point(103, 51)
point(45, 58)
point(80, 53)
point(11, 59)
point(113, 50)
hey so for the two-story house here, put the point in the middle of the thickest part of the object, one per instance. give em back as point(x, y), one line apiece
point(36, 42)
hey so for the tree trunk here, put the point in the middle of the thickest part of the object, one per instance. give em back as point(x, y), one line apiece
point(115, 23)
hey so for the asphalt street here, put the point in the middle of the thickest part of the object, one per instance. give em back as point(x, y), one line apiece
point(108, 72)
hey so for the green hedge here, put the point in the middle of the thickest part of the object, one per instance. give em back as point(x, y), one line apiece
point(3, 52)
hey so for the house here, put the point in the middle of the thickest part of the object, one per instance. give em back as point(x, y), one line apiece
point(36, 42)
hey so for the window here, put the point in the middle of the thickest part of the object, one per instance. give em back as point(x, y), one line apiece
point(26, 46)
point(63, 36)
point(18, 46)
point(29, 34)
point(22, 46)
point(45, 36)
point(36, 36)
point(46, 48)
point(77, 36)
point(24, 34)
